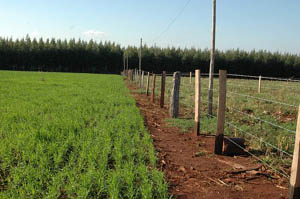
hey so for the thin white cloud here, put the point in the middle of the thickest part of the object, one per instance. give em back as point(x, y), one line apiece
point(34, 34)
point(94, 33)
point(72, 27)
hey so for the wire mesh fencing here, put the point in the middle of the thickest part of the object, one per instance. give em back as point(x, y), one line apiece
point(261, 110)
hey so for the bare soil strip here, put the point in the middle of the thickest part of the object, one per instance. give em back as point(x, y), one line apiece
point(193, 171)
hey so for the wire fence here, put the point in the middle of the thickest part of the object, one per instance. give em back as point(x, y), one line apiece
point(252, 135)
point(262, 99)
point(237, 99)
point(281, 172)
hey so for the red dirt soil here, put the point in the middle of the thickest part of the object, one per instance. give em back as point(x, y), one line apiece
point(193, 171)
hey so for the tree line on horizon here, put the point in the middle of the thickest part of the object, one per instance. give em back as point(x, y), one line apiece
point(56, 55)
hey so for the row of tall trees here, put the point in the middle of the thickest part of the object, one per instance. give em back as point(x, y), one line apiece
point(235, 61)
point(60, 55)
point(107, 57)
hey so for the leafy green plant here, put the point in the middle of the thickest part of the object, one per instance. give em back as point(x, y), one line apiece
point(73, 136)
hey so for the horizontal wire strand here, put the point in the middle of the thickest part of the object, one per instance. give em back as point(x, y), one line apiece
point(262, 99)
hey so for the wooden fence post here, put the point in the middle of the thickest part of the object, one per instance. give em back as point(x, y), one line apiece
point(197, 102)
point(294, 186)
point(190, 77)
point(153, 88)
point(259, 84)
point(174, 102)
point(148, 82)
point(162, 89)
point(221, 112)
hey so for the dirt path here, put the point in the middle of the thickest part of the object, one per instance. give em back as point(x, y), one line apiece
point(193, 171)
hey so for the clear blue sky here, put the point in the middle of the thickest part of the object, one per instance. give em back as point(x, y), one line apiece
point(246, 24)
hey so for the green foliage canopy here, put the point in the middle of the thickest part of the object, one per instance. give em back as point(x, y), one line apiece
point(107, 57)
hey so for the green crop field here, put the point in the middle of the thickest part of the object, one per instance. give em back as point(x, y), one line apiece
point(267, 120)
point(73, 136)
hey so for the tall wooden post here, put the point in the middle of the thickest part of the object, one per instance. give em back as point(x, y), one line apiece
point(139, 75)
point(148, 82)
point(197, 102)
point(174, 102)
point(212, 61)
point(190, 77)
point(153, 88)
point(221, 112)
point(124, 64)
point(127, 62)
point(162, 89)
point(259, 84)
point(140, 63)
point(294, 186)
point(140, 56)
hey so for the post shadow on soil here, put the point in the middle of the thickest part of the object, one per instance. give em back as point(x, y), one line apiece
point(186, 124)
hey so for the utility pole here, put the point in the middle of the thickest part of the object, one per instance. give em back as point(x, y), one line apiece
point(212, 60)
point(124, 63)
point(127, 60)
point(140, 64)
point(140, 57)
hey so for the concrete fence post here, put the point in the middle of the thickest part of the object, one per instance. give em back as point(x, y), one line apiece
point(153, 87)
point(221, 112)
point(148, 83)
point(162, 89)
point(174, 101)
